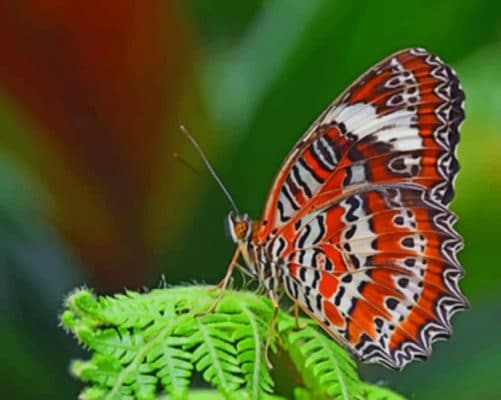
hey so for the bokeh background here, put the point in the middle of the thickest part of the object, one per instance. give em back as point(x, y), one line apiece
point(91, 95)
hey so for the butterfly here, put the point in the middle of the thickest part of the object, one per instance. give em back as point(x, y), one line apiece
point(356, 228)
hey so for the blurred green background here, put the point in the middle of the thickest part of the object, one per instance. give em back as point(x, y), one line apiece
point(91, 94)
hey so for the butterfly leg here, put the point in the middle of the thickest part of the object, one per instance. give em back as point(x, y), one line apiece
point(271, 331)
point(224, 282)
point(245, 275)
point(296, 317)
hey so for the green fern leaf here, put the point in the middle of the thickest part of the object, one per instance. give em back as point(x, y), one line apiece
point(250, 351)
point(327, 368)
point(133, 309)
point(215, 355)
point(146, 346)
point(173, 365)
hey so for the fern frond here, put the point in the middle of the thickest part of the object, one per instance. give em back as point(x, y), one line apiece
point(147, 345)
point(250, 339)
point(215, 354)
point(328, 369)
point(173, 365)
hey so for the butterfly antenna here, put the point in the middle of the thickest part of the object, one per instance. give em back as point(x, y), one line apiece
point(179, 158)
point(197, 147)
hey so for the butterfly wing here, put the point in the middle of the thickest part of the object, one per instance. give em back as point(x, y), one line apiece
point(397, 123)
point(359, 214)
point(378, 270)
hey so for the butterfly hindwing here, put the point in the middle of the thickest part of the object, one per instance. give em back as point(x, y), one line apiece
point(381, 275)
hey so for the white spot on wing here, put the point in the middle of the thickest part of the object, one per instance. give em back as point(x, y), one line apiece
point(358, 174)
point(362, 120)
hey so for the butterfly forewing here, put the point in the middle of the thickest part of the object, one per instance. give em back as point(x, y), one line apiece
point(360, 211)
point(397, 123)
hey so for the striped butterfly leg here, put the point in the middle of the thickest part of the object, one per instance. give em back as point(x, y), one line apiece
point(224, 282)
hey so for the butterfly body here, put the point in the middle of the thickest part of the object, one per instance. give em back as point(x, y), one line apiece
point(356, 228)
point(243, 231)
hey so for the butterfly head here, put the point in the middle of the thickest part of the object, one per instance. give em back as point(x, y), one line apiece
point(239, 228)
